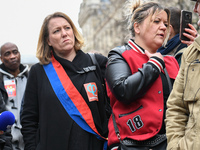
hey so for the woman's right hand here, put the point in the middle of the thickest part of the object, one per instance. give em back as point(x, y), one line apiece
point(157, 54)
point(191, 34)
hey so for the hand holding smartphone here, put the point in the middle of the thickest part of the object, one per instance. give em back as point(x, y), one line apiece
point(186, 18)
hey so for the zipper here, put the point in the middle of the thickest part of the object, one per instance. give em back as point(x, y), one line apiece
point(122, 115)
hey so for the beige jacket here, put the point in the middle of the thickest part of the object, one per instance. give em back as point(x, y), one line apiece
point(183, 113)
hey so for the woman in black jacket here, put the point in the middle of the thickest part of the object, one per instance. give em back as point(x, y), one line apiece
point(64, 100)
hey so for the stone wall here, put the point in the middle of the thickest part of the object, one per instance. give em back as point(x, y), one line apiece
point(103, 24)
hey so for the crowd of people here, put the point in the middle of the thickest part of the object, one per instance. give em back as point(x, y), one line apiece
point(144, 95)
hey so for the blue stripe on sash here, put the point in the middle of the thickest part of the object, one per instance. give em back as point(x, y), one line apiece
point(65, 99)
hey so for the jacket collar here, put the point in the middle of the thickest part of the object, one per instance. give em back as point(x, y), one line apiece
point(135, 47)
point(23, 70)
point(197, 43)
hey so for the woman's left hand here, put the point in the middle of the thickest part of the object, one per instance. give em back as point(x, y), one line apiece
point(192, 34)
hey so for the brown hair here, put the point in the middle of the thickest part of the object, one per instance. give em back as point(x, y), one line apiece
point(136, 11)
point(43, 49)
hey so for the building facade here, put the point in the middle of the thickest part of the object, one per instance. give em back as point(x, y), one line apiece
point(104, 25)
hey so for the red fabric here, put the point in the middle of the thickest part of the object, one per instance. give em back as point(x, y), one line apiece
point(74, 95)
point(150, 117)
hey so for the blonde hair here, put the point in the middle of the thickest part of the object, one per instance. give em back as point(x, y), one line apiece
point(43, 49)
point(138, 11)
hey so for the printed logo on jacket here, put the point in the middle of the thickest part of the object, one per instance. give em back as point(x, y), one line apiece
point(92, 91)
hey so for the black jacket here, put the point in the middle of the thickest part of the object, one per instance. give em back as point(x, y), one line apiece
point(45, 123)
point(123, 87)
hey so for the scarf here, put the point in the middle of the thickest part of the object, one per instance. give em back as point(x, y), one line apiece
point(171, 45)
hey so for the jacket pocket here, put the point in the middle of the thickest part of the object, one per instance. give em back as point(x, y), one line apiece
point(191, 83)
point(122, 115)
point(187, 141)
point(190, 126)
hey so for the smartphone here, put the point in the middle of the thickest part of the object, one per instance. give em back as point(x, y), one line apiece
point(186, 18)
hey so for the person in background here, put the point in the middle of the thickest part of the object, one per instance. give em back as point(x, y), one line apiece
point(174, 44)
point(138, 84)
point(182, 116)
point(13, 78)
point(64, 101)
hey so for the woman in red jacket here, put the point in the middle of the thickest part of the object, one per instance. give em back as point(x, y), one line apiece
point(138, 85)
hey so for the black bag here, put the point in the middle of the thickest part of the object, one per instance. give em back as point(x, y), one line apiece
point(123, 147)
point(158, 142)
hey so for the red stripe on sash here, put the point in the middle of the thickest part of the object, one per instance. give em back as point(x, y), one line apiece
point(74, 95)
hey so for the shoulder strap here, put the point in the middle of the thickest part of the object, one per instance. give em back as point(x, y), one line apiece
point(115, 127)
point(94, 61)
point(168, 79)
point(99, 75)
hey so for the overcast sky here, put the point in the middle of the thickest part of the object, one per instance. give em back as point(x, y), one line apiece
point(21, 20)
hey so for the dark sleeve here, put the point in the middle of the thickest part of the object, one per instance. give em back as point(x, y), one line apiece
point(126, 86)
point(3, 99)
point(29, 116)
point(6, 140)
point(2, 105)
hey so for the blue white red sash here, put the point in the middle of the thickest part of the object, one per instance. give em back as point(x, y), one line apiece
point(70, 97)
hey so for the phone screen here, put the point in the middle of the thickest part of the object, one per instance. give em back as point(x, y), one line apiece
point(186, 18)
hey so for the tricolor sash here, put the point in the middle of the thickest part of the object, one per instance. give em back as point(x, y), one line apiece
point(70, 97)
